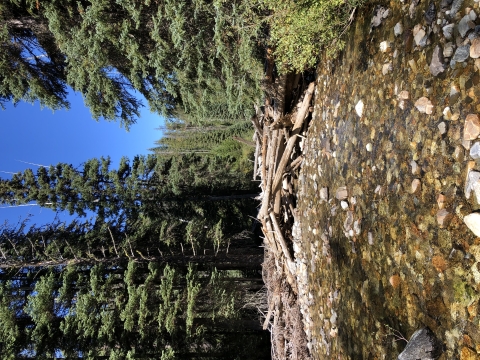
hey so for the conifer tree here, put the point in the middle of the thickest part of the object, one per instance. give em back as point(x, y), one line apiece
point(196, 58)
point(128, 311)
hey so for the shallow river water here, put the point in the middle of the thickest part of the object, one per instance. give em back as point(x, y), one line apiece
point(395, 255)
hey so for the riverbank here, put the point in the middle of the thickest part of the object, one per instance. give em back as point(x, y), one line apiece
point(386, 251)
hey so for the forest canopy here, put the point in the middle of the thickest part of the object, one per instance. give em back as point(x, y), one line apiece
point(197, 60)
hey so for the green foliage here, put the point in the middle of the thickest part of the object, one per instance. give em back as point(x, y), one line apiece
point(9, 330)
point(299, 30)
point(173, 316)
point(197, 58)
point(193, 289)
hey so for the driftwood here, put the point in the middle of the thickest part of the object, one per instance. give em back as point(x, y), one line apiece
point(276, 135)
point(301, 114)
point(243, 141)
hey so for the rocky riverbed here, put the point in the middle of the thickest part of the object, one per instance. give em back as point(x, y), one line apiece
point(390, 179)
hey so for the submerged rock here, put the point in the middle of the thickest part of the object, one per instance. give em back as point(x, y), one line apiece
point(424, 105)
point(445, 4)
point(359, 108)
point(381, 13)
point(457, 4)
point(448, 31)
point(473, 223)
point(341, 193)
point(475, 151)
point(423, 345)
point(448, 50)
point(398, 29)
point(471, 129)
point(465, 25)
point(475, 49)
point(462, 54)
point(431, 13)
point(472, 179)
point(437, 66)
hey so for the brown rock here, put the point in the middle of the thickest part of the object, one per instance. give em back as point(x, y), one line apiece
point(475, 48)
point(473, 309)
point(467, 354)
point(394, 281)
point(443, 218)
point(441, 201)
point(439, 263)
point(471, 129)
point(467, 340)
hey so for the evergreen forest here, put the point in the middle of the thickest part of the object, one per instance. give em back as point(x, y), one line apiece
point(162, 260)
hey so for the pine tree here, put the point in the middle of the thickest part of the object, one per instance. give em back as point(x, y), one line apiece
point(123, 311)
point(197, 58)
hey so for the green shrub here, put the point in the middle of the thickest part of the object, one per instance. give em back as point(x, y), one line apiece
point(299, 30)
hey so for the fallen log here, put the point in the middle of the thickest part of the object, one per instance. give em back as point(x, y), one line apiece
point(268, 189)
point(282, 242)
point(301, 114)
point(243, 141)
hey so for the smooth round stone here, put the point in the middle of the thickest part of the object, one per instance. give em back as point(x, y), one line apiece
point(398, 29)
point(442, 127)
point(416, 185)
point(473, 223)
point(359, 108)
point(369, 147)
point(471, 130)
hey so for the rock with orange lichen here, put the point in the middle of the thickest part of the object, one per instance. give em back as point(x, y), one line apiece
point(468, 354)
point(439, 263)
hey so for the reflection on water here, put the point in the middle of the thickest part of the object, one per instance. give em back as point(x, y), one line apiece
point(394, 255)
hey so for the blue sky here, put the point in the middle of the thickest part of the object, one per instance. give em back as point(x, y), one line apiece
point(40, 136)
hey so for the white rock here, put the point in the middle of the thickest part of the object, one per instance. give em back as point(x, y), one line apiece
point(475, 151)
point(473, 223)
point(448, 31)
point(359, 108)
point(398, 29)
point(448, 49)
point(324, 194)
point(473, 178)
point(476, 191)
point(472, 15)
point(384, 46)
point(415, 167)
point(370, 238)
point(386, 68)
point(369, 147)
point(356, 227)
point(424, 105)
point(442, 127)
point(416, 185)
point(447, 113)
point(419, 36)
point(344, 205)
